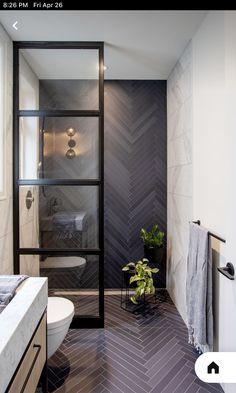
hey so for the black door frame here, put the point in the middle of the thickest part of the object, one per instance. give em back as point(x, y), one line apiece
point(80, 322)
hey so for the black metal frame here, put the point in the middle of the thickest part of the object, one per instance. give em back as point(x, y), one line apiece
point(88, 321)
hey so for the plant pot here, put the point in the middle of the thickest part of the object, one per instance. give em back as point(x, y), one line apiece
point(127, 276)
point(154, 255)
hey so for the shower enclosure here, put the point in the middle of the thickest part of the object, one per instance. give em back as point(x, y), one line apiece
point(58, 188)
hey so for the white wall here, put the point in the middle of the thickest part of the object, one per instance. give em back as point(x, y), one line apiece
point(214, 76)
point(209, 137)
point(214, 163)
point(227, 314)
point(6, 230)
point(210, 144)
point(179, 200)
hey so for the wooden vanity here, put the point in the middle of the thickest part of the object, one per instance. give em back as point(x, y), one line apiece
point(33, 363)
point(23, 339)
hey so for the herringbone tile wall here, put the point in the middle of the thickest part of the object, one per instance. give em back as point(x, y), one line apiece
point(135, 169)
point(133, 354)
point(135, 164)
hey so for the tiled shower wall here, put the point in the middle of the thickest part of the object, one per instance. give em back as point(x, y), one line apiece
point(179, 200)
point(135, 170)
point(135, 165)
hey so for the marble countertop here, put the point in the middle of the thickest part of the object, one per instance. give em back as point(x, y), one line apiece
point(18, 322)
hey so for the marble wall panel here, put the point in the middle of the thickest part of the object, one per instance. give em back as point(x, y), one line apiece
point(6, 233)
point(180, 175)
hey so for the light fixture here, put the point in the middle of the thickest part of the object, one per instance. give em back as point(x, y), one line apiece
point(105, 67)
point(71, 143)
point(70, 131)
point(70, 153)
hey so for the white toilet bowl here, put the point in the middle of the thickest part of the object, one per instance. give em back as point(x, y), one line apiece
point(60, 312)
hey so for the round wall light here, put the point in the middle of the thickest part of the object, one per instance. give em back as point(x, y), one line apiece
point(70, 131)
point(70, 153)
point(71, 143)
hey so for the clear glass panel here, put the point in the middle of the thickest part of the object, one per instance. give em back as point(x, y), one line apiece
point(59, 148)
point(59, 217)
point(73, 277)
point(59, 79)
point(76, 278)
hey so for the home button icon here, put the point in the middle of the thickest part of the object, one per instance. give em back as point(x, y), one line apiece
point(213, 368)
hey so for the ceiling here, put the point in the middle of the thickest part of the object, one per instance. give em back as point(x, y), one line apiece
point(62, 63)
point(138, 44)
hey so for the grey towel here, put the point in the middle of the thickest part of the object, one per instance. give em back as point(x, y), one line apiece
point(199, 289)
point(8, 286)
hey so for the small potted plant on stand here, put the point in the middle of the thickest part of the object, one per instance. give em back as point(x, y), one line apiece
point(153, 244)
point(141, 278)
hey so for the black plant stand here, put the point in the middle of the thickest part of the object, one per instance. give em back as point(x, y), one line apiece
point(144, 306)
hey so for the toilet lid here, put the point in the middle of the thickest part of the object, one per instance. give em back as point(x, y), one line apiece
point(59, 309)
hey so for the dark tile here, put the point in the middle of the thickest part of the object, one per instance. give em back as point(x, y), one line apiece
point(210, 387)
point(133, 354)
point(167, 373)
point(193, 388)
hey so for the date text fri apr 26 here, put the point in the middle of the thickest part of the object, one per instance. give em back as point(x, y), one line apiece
point(47, 5)
point(32, 5)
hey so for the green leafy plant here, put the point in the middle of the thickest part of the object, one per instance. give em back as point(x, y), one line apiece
point(142, 276)
point(153, 238)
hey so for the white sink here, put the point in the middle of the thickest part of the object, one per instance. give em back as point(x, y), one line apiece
point(18, 322)
point(78, 219)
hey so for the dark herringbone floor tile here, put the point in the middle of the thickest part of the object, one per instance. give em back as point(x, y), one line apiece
point(133, 354)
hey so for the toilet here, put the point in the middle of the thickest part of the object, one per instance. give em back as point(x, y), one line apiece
point(60, 312)
point(63, 272)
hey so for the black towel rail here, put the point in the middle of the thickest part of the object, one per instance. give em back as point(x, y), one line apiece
point(228, 270)
point(198, 222)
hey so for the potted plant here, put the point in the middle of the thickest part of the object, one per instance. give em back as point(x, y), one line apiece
point(141, 278)
point(153, 244)
point(128, 272)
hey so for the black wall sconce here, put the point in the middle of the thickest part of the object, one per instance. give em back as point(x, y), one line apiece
point(71, 143)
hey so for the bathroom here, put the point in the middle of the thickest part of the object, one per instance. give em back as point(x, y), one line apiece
point(86, 165)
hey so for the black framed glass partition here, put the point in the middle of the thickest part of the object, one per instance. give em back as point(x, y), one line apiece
point(58, 130)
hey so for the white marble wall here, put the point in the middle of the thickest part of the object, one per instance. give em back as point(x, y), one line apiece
point(29, 218)
point(6, 228)
point(29, 226)
point(180, 176)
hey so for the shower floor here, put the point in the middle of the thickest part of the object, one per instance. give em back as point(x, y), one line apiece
point(133, 354)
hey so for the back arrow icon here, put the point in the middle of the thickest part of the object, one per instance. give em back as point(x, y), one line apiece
point(14, 25)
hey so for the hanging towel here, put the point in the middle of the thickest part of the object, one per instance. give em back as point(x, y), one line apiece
point(199, 289)
point(8, 286)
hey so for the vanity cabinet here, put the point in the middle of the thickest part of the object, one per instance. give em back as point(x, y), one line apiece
point(33, 363)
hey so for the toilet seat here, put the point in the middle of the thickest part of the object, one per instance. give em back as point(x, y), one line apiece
point(59, 312)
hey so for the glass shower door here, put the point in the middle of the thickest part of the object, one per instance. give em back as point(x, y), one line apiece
point(58, 171)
